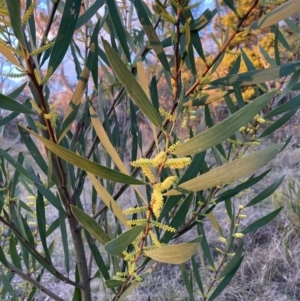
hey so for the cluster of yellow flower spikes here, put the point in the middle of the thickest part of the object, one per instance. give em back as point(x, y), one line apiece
point(161, 160)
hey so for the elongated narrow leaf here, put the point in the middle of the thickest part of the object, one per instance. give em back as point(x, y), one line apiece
point(15, 257)
point(3, 258)
point(14, 10)
point(229, 172)
point(92, 10)
point(10, 57)
point(230, 4)
point(279, 123)
point(175, 254)
point(64, 238)
point(294, 103)
point(197, 275)
point(225, 281)
point(118, 245)
point(108, 146)
point(257, 76)
point(120, 30)
point(84, 163)
point(9, 104)
point(262, 221)
point(207, 99)
point(113, 283)
point(233, 262)
point(77, 96)
point(266, 192)
point(203, 20)
point(151, 33)
point(108, 200)
point(65, 33)
point(91, 225)
point(225, 129)
point(41, 219)
point(276, 15)
point(131, 85)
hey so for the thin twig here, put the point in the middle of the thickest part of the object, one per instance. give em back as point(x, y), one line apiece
point(38, 285)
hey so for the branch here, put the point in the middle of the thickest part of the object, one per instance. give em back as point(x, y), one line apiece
point(48, 26)
point(34, 282)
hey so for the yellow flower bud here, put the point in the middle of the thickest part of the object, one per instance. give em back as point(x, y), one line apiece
point(238, 235)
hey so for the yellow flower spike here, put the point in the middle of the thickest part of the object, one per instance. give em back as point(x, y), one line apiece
point(173, 147)
point(241, 207)
point(156, 202)
point(166, 114)
point(158, 159)
point(131, 268)
point(35, 106)
point(141, 162)
point(37, 76)
point(238, 235)
point(148, 173)
point(154, 239)
point(242, 216)
point(166, 184)
point(178, 163)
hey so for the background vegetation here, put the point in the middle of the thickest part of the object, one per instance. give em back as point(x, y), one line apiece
point(144, 126)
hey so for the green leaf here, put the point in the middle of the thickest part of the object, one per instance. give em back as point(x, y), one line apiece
point(197, 275)
point(131, 85)
point(224, 129)
point(33, 149)
point(15, 257)
point(257, 76)
point(262, 221)
point(85, 164)
point(186, 281)
point(229, 172)
point(65, 33)
point(175, 254)
point(14, 10)
point(113, 283)
point(276, 15)
point(225, 281)
point(151, 34)
point(233, 262)
point(97, 255)
point(64, 238)
point(90, 224)
point(118, 245)
point(203, 20)
point(120, 30)
point(294, 103)
point(266, 192)
point(278, 123)
point(207, 99)
point(41, 221)
point(245, 185)
point(9, 104)
point(230, 4)
point(3, 258)
point(92, 10)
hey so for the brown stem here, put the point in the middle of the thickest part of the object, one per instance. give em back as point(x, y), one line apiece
point(35, 283)
point(48, 26)
point(62, 187)
point(223, 48)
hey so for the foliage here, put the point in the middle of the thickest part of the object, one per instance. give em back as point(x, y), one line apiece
point(187, 169)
